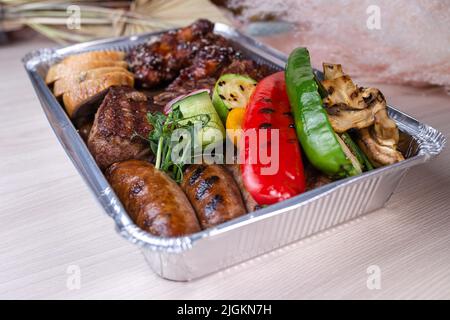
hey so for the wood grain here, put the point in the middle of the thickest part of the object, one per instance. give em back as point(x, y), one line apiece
point(50, 221)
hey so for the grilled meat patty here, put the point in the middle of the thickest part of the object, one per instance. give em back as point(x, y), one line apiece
point(213, 193)
point(152, 199)
point(118, 125)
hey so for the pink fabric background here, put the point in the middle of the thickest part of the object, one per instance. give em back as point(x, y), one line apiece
point(412, 46)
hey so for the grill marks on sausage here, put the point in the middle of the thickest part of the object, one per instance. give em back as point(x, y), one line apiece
point(152, 199)
point(204, 187)
point(196, 174)
point(137, 187)
point(214, 194)
point(212, 205)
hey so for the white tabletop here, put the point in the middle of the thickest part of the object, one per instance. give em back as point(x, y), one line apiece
point(51, 226)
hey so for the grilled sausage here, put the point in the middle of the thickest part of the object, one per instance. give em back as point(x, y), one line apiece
point(153, 200)
point(250, 203)
point(213, 194)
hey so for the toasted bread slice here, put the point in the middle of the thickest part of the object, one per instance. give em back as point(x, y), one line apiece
point(95, 55)
point(62, 70)
point(53, 72)
point(80, 100)
point(65, 84)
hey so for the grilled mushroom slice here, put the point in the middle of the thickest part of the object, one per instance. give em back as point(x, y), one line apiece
point(343, 90)
point(342, 118)
point(351, 107)
point(347, 105)
point(332, 71)
point(385, 129)
point(345, 112)
point(378, 153)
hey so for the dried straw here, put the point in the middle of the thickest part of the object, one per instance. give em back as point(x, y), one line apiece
point(102, 19)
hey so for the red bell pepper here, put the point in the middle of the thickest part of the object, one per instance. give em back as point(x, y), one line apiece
point(269, 109)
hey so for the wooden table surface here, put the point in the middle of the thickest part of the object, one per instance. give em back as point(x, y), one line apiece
point(51, 225)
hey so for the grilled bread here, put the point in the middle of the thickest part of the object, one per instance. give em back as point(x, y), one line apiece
point(62, 70)
point(81, 98)
point(67, 83)
point(85, 61)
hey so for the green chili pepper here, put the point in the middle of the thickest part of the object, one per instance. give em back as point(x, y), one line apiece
point(322, 91)
point(360, 155)
point(314, 131)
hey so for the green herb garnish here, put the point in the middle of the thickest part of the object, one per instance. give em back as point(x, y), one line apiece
point(161, 144)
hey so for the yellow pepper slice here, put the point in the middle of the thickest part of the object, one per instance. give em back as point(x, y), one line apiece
point(234, 123)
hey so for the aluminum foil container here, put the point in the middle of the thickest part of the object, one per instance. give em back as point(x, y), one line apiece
point(189, 257)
